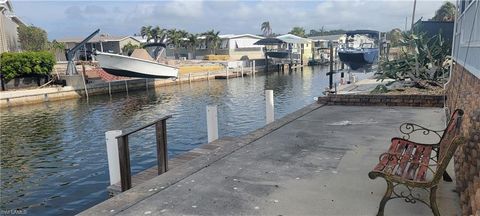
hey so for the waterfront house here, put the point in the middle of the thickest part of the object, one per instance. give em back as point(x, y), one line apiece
point(299, 46)
point(320, 45)
point(103, 42)
point(236, 46)
point(9, 23)
point(463, 92)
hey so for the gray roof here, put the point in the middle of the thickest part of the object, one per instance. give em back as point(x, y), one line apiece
point(326, 37)
point(96, 39)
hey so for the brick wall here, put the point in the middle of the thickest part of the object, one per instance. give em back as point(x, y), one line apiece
point(464, 93)
point(384, 100)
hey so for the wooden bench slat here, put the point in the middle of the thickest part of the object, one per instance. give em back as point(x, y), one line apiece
point(405, 158)
point(421, 175)
point(380, 166)
point(410, 173)
point(392, 164)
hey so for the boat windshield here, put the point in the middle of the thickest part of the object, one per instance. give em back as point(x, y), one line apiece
point(367, 46)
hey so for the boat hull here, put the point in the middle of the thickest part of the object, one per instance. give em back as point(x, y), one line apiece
point(126, 66)
point(357, 59)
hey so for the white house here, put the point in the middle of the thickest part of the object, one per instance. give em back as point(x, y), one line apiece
point(236, 46)
point(9, 23)
point(299, 46)
point(466, 47)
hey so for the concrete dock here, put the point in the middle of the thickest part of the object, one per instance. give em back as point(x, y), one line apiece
point(312, 162)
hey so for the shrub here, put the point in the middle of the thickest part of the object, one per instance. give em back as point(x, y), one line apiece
point(14, 65)
point(423, 61)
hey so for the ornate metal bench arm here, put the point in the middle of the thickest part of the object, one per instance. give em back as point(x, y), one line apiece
point(409, 128)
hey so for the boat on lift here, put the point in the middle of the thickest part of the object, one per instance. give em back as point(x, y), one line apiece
point(363, 56)
point(128, 66)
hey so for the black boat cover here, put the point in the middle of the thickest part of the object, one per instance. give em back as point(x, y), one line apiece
point(269, 41)
point(371, 33)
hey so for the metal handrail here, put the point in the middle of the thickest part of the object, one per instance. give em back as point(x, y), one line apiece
point(124, 151)
point(143, 127)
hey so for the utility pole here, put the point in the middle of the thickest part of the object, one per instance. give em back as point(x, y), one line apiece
point(413, 14)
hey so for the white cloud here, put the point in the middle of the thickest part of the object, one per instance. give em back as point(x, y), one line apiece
point(126, 17)
point(183, 8)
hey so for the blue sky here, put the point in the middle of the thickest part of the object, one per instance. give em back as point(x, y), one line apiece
point(79, 18)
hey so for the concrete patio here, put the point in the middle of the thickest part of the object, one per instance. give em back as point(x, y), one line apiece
point(312, 162)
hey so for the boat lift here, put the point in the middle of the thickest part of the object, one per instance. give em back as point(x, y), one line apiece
point(70, 54)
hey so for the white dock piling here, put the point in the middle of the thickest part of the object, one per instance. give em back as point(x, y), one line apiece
point(226, 73)
point(126, 86)
point(112, 155)
point(212, 123)
point(253, 67)
point(269, 106)
point(242, 70)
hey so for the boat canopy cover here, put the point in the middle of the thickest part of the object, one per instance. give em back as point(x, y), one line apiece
point(269, 41)
point(371, 33)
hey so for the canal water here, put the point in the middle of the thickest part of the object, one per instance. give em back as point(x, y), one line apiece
point(53, 155)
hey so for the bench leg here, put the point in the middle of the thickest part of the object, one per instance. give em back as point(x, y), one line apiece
point(385, 198)
point(446, 177)
point(433, 201)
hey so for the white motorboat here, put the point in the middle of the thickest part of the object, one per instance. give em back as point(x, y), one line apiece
point(120, 65)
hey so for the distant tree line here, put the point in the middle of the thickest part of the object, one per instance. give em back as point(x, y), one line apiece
point(181, 38)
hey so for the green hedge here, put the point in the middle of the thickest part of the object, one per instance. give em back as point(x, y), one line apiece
point(26, 64)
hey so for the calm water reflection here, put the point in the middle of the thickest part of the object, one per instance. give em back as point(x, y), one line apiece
point(53, 156)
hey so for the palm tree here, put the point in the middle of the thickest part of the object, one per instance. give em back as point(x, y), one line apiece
point(192, 43)
point(145, 32)
point(157, 33)
point(266, 29)
point(298, 31)
point(177, 38)
point(212, 39)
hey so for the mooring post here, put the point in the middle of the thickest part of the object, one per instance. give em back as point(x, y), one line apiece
point(330, 80)
point(109, 88)
point(253, 68)
point(112, 155)
point(241, 69)
point(208, 75)
point(162, 152)
point(126, 86)
point(189, 77)
point(269, 106)
point(146, 84)
point(212, 123)
point(226, 72)
point(124, 161)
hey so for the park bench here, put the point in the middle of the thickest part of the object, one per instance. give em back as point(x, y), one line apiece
point(411, 168)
